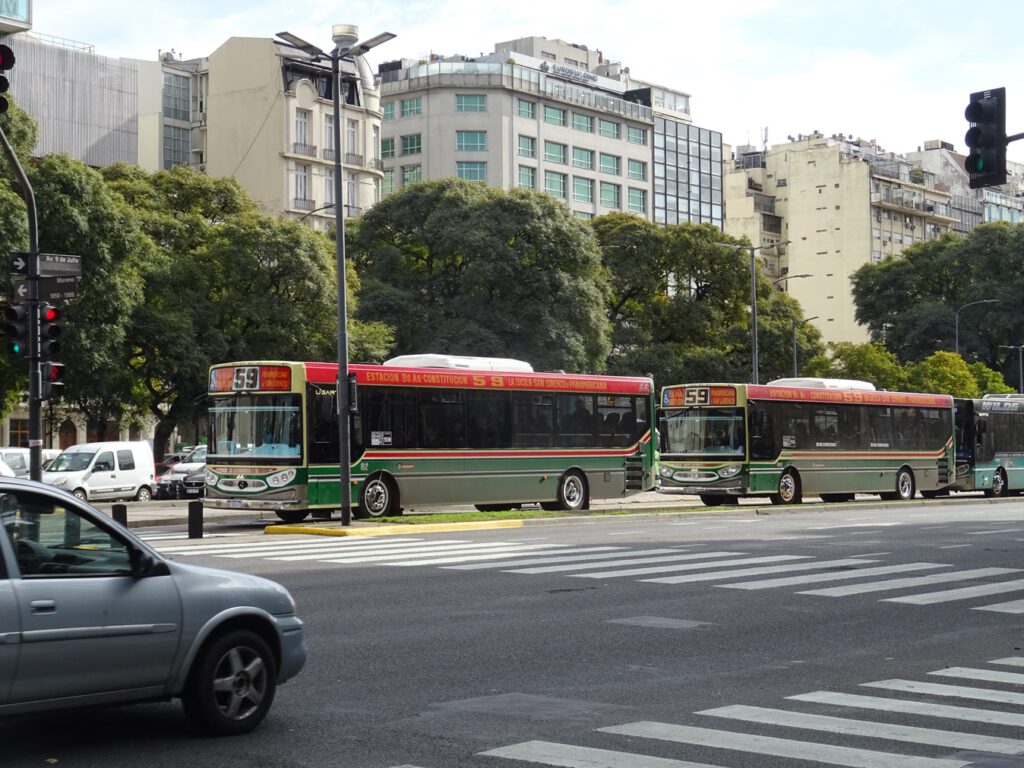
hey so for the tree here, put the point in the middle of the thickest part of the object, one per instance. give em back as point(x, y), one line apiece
point(862, 362)
point(943, 373)
point(989, 382)
point(464, 268)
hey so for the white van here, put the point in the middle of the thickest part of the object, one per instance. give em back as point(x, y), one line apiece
point(112, 470)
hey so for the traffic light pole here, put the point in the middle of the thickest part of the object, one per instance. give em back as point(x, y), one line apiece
point(35, 383)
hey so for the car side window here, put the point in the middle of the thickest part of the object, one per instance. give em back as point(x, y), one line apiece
point(51, 540)
point(125, 459)
point(104, 462)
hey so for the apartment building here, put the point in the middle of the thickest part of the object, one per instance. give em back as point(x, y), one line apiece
point(831, 204)
point(553, 116)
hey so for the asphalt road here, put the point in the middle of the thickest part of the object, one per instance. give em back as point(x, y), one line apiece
point(620, 657)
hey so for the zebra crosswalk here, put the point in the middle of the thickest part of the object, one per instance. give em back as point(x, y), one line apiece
point(914, 583)
point(796, 731)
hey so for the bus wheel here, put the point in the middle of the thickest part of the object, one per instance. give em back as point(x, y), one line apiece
point(999, 487)
point(572, 493)
point(292, 516)
point(904, 485)
point(789, 489)
point(378, 498)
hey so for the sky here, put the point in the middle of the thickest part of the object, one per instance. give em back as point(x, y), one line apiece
point(896, 71)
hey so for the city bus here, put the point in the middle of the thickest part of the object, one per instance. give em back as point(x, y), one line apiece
point(425, 430)
point(990, 444)
point(802, 437)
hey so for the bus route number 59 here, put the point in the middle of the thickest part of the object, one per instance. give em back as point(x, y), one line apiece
point(697, 396)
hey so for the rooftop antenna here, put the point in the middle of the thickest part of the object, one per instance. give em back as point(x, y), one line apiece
point(764, 139)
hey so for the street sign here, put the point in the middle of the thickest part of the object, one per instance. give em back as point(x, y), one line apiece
point(50, 264)
point(50, 289)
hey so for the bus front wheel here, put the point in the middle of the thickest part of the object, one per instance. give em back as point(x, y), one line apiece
point(378, 498)
point(999, 487)
point(572, 494)
point(789, 489)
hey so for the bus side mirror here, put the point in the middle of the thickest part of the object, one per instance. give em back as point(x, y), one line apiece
point(353, 394)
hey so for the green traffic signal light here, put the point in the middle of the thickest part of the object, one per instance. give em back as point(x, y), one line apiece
point(16, 327)
point(986, 138)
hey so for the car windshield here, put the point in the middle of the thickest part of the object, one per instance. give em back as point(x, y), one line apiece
point(74, 461)
point(198, 456)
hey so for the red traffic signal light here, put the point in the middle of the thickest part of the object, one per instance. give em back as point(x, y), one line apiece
point(6, 62)
point(986, 138)
point(52, 380)
point(16, 327)
point(49, 330)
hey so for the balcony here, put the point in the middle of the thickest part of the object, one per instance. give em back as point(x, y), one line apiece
point(328, 154)
point(353, 159)
point(301, 204)
point(304, 149)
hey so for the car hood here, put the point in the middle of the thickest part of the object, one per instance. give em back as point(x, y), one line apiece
point(220, 589)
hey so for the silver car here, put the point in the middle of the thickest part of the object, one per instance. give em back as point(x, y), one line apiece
point(89, 614)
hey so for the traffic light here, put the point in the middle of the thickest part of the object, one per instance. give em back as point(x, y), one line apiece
point(986, 138)
point(17, 318)
point(49, 330)
point(6, 62)
point(52, 380)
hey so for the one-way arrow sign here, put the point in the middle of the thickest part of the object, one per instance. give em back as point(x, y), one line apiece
point(19, 263)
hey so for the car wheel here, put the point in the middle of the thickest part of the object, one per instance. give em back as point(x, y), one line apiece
point(78, 493)
point(144, 494)
point(232, 684)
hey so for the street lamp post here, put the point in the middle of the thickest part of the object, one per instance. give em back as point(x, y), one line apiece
point(341, 33)
point(797, 324)
point(1020, 364)
point(965, 306)
point(752, 250)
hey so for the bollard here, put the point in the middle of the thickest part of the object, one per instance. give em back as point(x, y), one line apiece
point(120, 513)
point(195, 519)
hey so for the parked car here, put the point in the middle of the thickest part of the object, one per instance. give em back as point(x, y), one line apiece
point(18, 459)
point(120, 469)
point(169, 485)
point(194, 486)
point(220, 641)
point(5, 471)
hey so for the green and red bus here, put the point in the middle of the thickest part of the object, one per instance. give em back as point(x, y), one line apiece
point(990, 444)
point(803, 437)
point(469, 432)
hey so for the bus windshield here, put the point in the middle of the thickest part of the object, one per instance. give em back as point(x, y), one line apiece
point(716, 431)
point(268, 426)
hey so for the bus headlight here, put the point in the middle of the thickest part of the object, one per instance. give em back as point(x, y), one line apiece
point(283, 477)
point(211, 479)
point(666, 471)
point(730, 471)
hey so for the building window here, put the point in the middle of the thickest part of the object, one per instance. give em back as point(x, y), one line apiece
point(527, 146)
point(583, 158)
point(412, 106)
point(582, 122)
point(554, 116)
point(328, 186)
point(637, 169)
point(608, 128)
point(638, 200)
point(302, 126)
point(176, 146)
point(584, 215)
point(387, 148)
point(328, 141)
point(412, 145)
point(636, 135)
point(351, 195)
point(388, 186)
point(610, 195)
point(527, 177)
point(526, 108)
point(470, 102)
point(17, 433)
point(411, 173)
point(176, 96)
point(471, 141)
point(471, 171)
point(582, 189)
point(554, 184)
point(388, 108)
point(301, 182)
point(352, 137)
point(611, 164)
point(555, 152)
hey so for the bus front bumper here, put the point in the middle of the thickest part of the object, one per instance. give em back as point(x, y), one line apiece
point(721, 489)
point(262, 504)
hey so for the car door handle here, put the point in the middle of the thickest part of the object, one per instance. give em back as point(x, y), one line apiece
point(44, 606)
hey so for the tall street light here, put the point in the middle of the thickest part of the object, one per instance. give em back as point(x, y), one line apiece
point(341, 33)
point(1020, 364)
point(797, 324)
point(752, 250)
point(965, 306)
